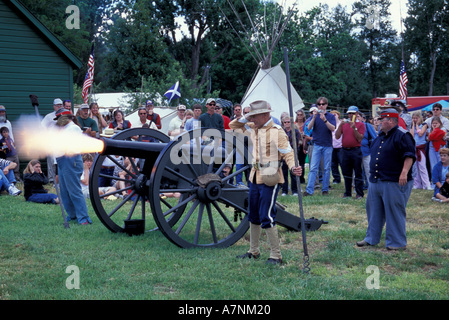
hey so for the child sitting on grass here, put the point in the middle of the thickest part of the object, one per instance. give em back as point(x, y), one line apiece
point(443, 193)
point(440, 174)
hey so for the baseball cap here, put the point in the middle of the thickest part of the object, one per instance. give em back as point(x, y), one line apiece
point(353, 109)
point(57, 101)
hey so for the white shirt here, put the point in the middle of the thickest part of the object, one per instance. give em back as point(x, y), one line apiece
point(139, 124)
point(48, 121)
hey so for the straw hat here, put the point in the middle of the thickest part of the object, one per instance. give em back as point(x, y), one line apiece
point(108, 132)
point(257, 107)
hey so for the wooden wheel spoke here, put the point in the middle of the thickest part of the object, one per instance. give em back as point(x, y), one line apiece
point(179, 175)
point(214, 203)
point(211, 223)
point(188, 215)
point(226, 161)
point(122, 166)
point(178, 205)
point(133, 207)
point(121, 203)
point(233, 174)
point(198, 224)
point(115, 192)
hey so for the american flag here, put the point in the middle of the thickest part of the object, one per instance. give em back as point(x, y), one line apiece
point(403, 80)
point(89, 79)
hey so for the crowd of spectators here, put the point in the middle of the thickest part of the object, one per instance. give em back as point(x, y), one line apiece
point(335, 145)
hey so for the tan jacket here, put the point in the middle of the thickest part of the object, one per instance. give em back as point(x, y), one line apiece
point(274, 147)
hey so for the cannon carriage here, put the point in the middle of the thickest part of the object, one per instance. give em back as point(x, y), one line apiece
point(179, 188)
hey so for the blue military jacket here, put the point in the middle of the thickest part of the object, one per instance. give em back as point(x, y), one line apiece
point(388, 152)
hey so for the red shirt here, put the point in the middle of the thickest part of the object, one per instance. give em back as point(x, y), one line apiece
point(226, 121)
point(402, 123)
point(349, 140)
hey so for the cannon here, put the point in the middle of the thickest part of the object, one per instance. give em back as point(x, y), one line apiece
point(180, 184)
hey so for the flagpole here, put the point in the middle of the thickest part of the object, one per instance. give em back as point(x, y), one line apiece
point(402, 45)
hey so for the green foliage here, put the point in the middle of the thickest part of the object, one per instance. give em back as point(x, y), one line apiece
point(333, 52)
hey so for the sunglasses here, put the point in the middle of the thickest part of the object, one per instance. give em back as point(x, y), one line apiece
point(212, 104)
point(321, 104)
point(142, 113)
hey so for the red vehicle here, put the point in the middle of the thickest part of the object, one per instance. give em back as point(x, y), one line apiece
point(413, 103)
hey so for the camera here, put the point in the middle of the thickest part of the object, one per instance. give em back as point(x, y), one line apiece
point(346, 120)
point(320, 111)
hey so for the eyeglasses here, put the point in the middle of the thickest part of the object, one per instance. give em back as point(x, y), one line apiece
point(212, 104)
point(321, 104)
point(436, 109)
point(286, 121)
point(142, 113)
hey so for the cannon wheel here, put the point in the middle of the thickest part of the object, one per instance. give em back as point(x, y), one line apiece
point(191, 204)
point(114, 214)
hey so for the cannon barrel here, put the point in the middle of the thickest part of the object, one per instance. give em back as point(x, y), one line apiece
point(126, 148)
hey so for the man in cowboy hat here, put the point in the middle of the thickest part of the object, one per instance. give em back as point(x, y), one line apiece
point(270, 146)
point(392, 156)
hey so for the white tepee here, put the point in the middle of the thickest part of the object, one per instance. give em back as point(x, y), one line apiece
point(271, 85)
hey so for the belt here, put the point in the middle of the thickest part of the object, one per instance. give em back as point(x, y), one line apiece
point(351, 148)
point(258, 165)
point(106, 167)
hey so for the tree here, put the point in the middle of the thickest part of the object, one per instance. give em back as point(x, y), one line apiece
point(372, 18)
point(426, 36)
point(135, 48)
point(326, 59)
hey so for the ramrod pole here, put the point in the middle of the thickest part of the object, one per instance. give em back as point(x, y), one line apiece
point(306, 263)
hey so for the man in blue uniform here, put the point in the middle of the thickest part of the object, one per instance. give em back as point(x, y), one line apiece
point(391, 182)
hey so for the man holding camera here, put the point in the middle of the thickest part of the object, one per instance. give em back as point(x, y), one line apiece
point(323, 124)
point(87, 124)
point(352, 131)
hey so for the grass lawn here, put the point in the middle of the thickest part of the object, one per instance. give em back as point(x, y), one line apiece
point(37, 254)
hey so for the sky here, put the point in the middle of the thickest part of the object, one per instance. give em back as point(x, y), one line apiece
point(396, 7)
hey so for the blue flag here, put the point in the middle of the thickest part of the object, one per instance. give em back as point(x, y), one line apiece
point(173, 92)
